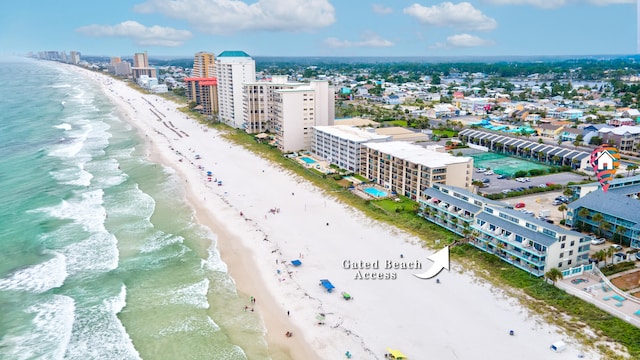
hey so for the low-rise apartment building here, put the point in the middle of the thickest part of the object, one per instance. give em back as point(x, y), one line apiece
point(341, 145)
point(408, 169)
point(532, 245)
point(613, 214)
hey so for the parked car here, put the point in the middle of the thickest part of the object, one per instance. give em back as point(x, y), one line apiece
point(542, 186)
point(501, 177)
point(556, 202)
point(506, 191)
point(598, 241)
point(485, 180)
point(549, 221)
point(481, 170)
point(617, 247)
point(488, 172)
point(520, 205)
point(550, 184)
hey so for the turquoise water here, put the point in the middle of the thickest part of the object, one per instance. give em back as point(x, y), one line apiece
point(307, 160)
point(101, 257)
point(503, 164)
point(375, 192)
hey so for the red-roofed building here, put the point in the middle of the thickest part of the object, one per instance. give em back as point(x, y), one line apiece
point(203, 91)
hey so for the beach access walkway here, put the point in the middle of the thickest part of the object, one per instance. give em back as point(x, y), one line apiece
point(595, 288)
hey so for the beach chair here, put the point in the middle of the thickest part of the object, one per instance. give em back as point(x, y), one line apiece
point(618, 304)
point(606, 298)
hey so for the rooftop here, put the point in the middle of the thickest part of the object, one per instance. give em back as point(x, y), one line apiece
point(417, 154)
point(614, 203)
point(351, 133)
point(233, 53)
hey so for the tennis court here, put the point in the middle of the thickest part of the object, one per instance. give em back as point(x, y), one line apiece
point(503, 164)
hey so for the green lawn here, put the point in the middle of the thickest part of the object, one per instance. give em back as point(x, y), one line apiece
point(402, 123)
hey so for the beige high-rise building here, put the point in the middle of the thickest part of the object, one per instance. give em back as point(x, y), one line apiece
point(258, 106)
point(298, 110)
point(204, 65)
point(140, 60)
point(141, 66)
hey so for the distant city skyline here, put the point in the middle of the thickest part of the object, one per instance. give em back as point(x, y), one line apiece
point(181, 28)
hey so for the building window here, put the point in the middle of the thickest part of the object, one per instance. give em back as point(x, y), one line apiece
point(569, 262)
point(561, 255)
point(561, 246)
point(560, 264)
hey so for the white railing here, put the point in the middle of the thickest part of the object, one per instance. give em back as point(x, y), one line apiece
point(589, 298)
point(613, 287)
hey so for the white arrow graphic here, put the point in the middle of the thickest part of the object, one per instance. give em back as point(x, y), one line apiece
point(440, 261)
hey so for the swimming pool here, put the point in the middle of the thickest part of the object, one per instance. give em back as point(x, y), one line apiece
point(307, 160)
point(375, 192)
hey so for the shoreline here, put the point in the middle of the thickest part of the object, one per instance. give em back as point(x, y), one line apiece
point(397, 314)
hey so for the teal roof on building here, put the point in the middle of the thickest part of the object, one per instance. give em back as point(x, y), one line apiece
point(233, 53)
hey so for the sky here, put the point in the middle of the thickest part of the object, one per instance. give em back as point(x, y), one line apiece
point(321, 27)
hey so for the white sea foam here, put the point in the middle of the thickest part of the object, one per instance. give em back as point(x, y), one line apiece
point(159, 241)
point(190, 324)
point(63, 126)
point(133, 203)
point(73, 176)
point(50, 334)
point(194, 294)
point(109, 173)
point(38, 278)
point(99, 250)
point(99, 334)
point(213, 261)
point(97, 253)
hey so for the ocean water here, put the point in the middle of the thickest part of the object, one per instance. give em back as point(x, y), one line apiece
point(100, 257)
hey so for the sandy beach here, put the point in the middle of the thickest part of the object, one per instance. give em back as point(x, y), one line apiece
point(265, 217)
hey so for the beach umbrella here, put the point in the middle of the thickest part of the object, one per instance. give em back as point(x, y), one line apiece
point(397, 354)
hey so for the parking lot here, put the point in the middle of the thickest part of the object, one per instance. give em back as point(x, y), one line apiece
point(496, 185)
point(538, 202)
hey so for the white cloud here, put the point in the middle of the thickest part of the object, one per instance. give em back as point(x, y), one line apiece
point(228, 16)
point(463, 41)
point(460, 16)
point(553, 4)
point(368, 40)
point(381, 9)
point(142, 35)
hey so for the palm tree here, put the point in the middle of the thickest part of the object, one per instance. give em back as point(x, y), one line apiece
point(562, 209)
point(601, 256)
point(556, 159)
point(567, 192)
point(554, 275)
point(605, 226)
point(631, 168)
point(610, 251)
point(583, 213)
point(598, 219)
point(620, 230)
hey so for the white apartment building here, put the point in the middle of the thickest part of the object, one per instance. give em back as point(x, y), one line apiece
point(409, 169)
point(259, 102)
point(341, 144)
point(233, 68)
point(297, 110)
